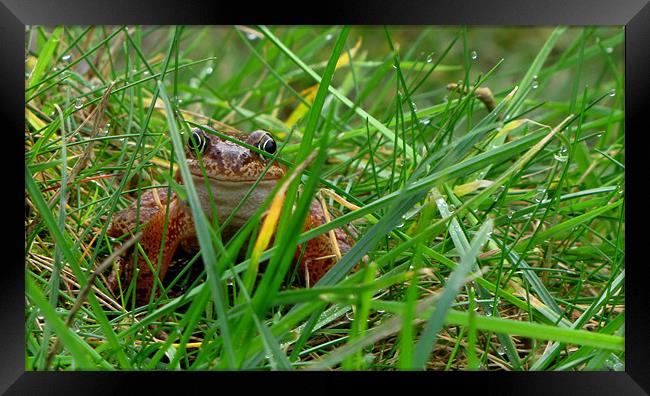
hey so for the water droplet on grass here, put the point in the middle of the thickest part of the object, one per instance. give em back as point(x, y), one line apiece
point(609, 50)
point(329, 37)
point(539, 196)
point(474, 55)
point(535, 83)
point(562, 155)
point(66, 58)
point(612, 92)
point(78, 103)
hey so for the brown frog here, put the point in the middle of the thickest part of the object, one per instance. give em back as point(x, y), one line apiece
point(231, 170)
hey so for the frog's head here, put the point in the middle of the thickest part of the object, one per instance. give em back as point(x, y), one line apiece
point(231, 171)
point(227, 161)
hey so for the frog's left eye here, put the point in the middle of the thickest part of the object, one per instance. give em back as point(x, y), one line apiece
point(197, 140)
point(267, 144)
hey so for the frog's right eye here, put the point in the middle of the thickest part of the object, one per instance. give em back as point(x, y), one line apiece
point(197, 140)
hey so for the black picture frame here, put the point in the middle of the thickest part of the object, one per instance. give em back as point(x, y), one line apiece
point(634, 14)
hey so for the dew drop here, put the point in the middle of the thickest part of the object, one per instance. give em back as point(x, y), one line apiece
point(78, 103)
point(535, 83)
point(425, 121)
point(208, 70)
point(562, 154)
point(429, 59)
point(474, 55)
point(329, 37)
point(609, 50)
point(145, 73)
point(612, 92)
point(251, 36)
point(66, 58)
point(415, 107)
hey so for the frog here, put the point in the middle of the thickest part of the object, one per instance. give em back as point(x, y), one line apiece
point(231, 170)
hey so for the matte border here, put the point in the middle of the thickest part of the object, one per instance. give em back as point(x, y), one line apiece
point(634, 14)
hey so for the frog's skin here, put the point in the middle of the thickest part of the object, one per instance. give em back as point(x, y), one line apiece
point(231, 170)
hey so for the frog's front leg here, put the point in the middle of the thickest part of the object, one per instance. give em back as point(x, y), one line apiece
point(324, 251)
point(152, 213)
point(179, 227)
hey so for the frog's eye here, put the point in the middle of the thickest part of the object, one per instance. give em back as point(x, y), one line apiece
point(197, 140)
point(267, 144)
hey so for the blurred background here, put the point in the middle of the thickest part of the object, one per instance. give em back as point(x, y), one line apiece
point(226, 69)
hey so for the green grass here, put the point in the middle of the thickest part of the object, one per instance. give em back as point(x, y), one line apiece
point(488, 240)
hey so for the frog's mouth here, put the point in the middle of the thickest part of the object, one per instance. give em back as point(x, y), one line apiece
point(229, 194)
point(235, 179)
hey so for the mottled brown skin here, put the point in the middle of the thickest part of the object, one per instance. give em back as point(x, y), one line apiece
point(320, 253)
point(231, 169)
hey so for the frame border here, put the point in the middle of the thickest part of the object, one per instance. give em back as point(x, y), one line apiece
point(634, 14)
